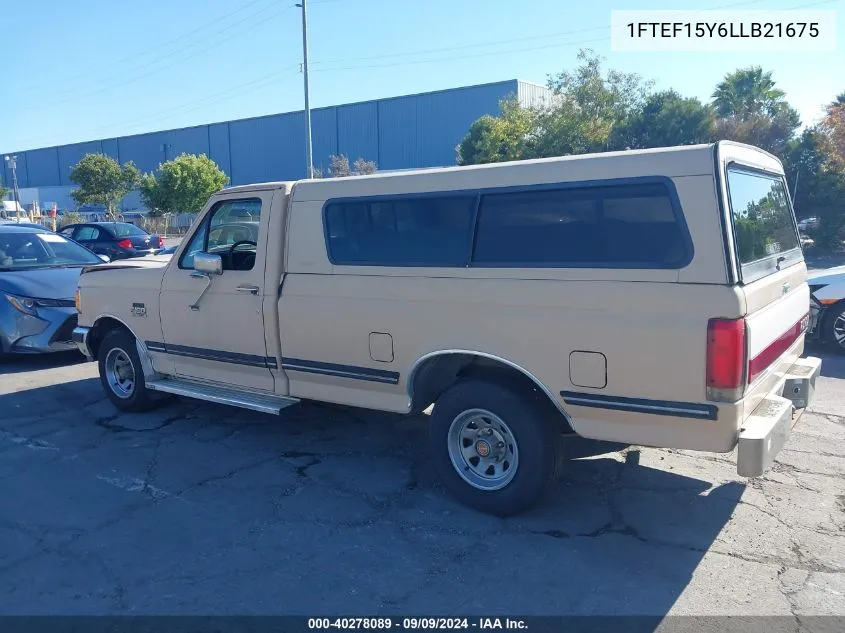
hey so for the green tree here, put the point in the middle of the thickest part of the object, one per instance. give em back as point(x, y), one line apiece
point(816, 177)
point(665, 120)
point(588, 106)
point(833, 125)
point(339, 167)
point(153, 196)
point(495, 139)
point(754, 111)
point(363, 167)
point(182, 185)
point(4, 191)
point(70, 217)
point(102, 180)
point(746, 92)
point(769, 133)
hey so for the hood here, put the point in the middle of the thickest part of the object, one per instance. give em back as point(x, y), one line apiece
point(150, 261)
point(44, 283)
point(826, 275)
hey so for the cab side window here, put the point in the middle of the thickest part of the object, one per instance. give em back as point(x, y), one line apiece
point(87, 234)
point(231, 231)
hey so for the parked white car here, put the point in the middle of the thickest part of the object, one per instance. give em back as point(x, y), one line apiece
point(827, 306)
point(808, 223)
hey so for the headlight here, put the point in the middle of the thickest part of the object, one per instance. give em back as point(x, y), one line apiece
point(22, 304)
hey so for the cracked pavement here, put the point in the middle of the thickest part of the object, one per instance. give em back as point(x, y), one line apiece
point(197, 508)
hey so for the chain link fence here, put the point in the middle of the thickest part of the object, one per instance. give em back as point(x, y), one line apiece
point(166, 226)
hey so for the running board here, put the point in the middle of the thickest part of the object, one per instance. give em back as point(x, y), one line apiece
point(265, 403)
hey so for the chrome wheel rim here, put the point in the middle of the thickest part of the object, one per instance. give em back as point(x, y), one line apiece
point(839, 330)
point(483, 449)
point(120, 374)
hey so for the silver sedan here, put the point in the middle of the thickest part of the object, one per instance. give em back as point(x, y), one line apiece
point(38, 276)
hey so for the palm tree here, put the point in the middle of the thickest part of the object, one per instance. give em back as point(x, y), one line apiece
point(747, 92)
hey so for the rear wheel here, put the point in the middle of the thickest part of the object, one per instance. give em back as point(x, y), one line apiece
point(495, 447)
point(121, 372)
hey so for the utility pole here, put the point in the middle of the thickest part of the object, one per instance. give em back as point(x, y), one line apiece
point(13, 165)
point(309, 154)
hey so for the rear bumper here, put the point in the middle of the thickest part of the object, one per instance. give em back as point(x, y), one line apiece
point(765, 431)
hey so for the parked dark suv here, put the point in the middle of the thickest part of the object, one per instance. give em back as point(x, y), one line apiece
point(118, 240)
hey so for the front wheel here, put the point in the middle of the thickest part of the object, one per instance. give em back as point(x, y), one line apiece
point(834, 327)
point(121, 372)
point(496, 448)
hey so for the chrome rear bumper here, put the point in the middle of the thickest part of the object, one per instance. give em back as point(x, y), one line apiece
point(766, 430)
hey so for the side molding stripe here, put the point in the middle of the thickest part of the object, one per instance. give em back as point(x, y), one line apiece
point(251, 360)
point(292, 364)
point(342, 371)
point(641, 405)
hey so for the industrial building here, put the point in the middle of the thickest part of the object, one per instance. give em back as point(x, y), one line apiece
point(420, 130)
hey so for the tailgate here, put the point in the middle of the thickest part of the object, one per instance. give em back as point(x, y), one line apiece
point(778, 315)
point(770, 267)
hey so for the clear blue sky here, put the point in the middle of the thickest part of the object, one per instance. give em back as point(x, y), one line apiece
point(92, 69)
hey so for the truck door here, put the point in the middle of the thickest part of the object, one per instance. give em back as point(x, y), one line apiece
point(213, 324)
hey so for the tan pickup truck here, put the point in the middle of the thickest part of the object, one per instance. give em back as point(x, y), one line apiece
point(654, 297)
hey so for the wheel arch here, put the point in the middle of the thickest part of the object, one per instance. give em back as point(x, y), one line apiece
point(104, 324)
point(436, 371)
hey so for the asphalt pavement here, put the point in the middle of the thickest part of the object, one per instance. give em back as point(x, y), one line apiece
point(199, 508)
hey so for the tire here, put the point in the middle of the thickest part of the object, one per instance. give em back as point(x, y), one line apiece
point(121, 372)
point(522, 471)
point(830, 327)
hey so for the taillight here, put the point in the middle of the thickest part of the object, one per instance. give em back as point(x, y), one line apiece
point(726, 359)
point(125, 243)
point(160, 242)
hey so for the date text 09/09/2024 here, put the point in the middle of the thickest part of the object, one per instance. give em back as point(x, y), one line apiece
point(410, 624)
point(723, 29)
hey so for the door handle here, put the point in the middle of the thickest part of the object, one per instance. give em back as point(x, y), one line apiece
point(253, 290)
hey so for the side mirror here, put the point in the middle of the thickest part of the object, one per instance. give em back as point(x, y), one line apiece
point(105, 258)
point(208, 264)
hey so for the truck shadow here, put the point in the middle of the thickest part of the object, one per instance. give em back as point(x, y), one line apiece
point(23, 363)
point(616, 536)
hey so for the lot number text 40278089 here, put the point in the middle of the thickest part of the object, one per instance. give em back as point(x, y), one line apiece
point(417, 623)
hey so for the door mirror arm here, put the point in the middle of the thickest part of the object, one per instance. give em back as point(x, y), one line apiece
point(205, 266)
point(195, 306)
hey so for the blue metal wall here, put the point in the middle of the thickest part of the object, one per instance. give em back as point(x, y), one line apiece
point(398, 133)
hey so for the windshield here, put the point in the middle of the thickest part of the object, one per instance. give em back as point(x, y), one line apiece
point(127, 230)
point(763, 222)
point(21, 250)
